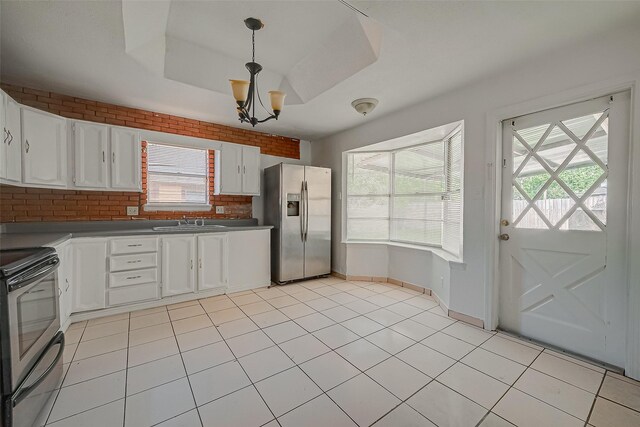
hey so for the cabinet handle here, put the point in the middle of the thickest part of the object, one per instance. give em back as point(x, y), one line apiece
point(133, 277)
point(103, 157)
point(192, 264)
point(6, 135)
point(113, 157)
point(134, 262)
point(11, 136)
point(27, 145)
point(59, 292)
point(136, 245)
point(238, 168)
point(244, 170)
point(200, 263)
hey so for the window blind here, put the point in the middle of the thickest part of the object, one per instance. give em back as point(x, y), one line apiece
point(419, 180)
point(452, 209)
point(368, 190)
point(176, 175)
point(411, 195)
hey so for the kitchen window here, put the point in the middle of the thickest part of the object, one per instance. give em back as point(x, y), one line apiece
point(177, 178)
point(410, 195)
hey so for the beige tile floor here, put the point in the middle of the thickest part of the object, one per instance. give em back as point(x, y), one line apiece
point(324, 353)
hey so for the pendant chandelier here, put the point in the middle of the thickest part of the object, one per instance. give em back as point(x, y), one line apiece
point(246, 92)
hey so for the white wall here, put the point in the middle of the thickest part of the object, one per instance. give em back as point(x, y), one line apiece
point(607, 57)
point(257, 204)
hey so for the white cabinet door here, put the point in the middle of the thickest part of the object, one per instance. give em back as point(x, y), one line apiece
point(64, 283)
point(126, 162)
point(178, 269)
point(212, 261)
point(14, 139)
point(251, 170)
point(89, 265)
point(44, 143)
point(5, 136)
point(249, 259)
point(229, 169)
point(90, 148)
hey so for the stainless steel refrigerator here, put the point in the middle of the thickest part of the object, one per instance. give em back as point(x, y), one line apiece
point(298, 206)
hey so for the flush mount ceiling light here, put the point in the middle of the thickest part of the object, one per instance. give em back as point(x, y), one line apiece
point(246, 91)
point(364, 105)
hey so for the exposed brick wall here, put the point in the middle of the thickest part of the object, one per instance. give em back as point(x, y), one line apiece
point(19, 204)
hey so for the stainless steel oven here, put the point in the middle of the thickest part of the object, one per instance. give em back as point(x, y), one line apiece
point(31, 343)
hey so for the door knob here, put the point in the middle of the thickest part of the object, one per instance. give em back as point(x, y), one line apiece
point(503, 236)
point(504, 222)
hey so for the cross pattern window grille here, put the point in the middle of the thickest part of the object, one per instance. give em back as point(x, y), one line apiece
point(560, 174)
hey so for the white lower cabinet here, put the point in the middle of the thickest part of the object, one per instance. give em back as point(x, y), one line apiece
point(63, 277)
point(178, 269)
point(89, 274)
point(96, 273)
point(212, 261)
point(249, 260)
point(133, 270)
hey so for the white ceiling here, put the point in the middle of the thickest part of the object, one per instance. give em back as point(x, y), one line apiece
point(427, 48)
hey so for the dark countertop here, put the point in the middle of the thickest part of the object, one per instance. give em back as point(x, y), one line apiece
point(15, 236)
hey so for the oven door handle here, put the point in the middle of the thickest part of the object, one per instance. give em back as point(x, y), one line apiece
point(29, 277)
point(22, 392)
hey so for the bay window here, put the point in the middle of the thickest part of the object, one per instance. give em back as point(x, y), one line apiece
point(408, 195)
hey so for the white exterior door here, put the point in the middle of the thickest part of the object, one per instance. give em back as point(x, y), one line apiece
point(212, 261)
point(564, 203)
point(251, 170)
point(90, 147)
point(44, 143)
point(126, 163)
point(178, 269)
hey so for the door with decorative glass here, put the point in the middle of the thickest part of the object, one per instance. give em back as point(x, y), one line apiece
point(564, 203)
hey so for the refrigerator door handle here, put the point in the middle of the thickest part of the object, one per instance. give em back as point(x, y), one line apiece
point(306, 211)
point(302, 211)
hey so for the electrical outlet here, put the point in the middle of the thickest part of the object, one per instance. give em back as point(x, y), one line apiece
point(219, 209)
point(132, 210)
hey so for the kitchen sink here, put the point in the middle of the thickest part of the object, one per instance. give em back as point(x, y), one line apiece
point(189, 227)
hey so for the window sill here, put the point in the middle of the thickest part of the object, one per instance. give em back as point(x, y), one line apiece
point(453, 260)
point(176, 208)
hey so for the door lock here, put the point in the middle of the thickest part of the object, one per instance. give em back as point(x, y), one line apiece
point(504, 222)
point(503, 236)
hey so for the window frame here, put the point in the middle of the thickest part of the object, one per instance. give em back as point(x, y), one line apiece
point(151, 206)
point(447, 172)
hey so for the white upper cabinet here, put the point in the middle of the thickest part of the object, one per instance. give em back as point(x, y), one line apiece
point(106, 157)
point(14, 142)
point(212, 261)
point(251, 170)
point(126, 162)
point(5, 136)
point(178, 269)
point(10, 150)
point(237, 170)
point(90, 161)
point(228, 166)
point(44, 146)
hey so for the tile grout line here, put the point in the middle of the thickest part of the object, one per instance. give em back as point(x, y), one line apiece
point(593, 404)
point(126, 375)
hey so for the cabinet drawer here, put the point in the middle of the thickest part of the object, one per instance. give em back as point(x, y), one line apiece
point(148, 291)
point(133, 262)
point(134, 245)
point(134, 277)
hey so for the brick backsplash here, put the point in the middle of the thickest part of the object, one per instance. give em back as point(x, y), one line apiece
point(18, 204)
